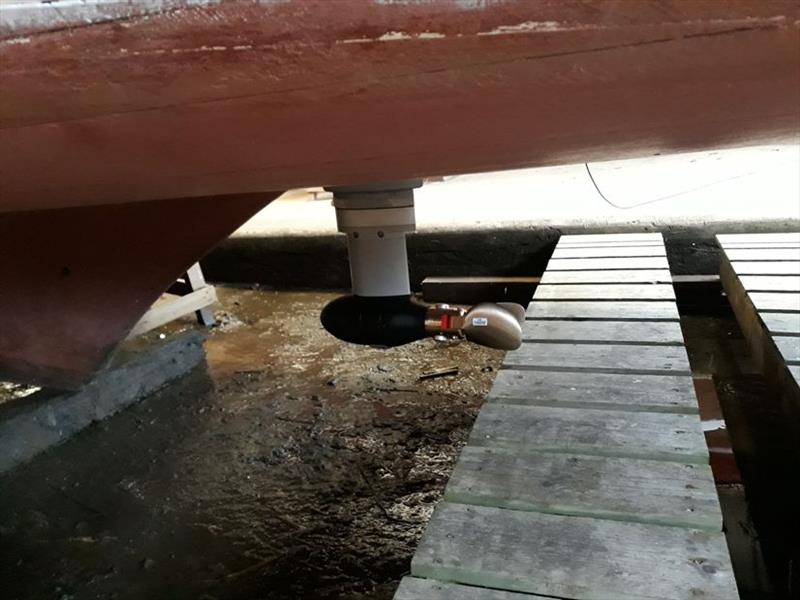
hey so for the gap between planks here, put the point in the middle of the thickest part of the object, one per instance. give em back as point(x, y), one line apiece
point(415, 588)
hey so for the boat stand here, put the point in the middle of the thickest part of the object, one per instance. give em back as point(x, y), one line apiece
point(193, 295)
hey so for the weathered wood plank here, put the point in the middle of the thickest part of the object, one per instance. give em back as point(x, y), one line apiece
point(472, 290)
point(781, 323)
point(794, 370)
point(624, 489)
point(771, 283)
point(776, 301)
point(168, 310)
point(626, 291)
point(762, 329)
point(755, 245)
point(789, 347)
point(654, 332)
point(612, 244)
point(609, 238)
point(615, 310)
point(414, 588)
point(766, 267)
point(607, 251)
point(657, 436)
point(605, 358)
point(573, 557)
point(614, 276)
point(724, 238)
point(767, 254)
point(651, 393)
point(600, 264)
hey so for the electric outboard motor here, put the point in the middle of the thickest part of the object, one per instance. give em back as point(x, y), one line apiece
point(381, 311)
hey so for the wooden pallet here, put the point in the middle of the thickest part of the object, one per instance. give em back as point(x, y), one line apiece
point(586, 474)
point(761, 276)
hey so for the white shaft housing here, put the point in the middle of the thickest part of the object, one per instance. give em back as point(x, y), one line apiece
point(378, 266)
point(376, 223)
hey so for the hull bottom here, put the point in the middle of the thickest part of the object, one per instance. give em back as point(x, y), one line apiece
point(73, 282)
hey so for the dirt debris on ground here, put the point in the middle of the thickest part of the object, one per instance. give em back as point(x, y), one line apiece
point(291, 466)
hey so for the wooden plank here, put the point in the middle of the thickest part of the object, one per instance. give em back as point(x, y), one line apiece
point(771, 283)
point(652, 393)
point(168, 310)
point(500, 279)
point(604, 358)
point(611, 244)
point(614, 310)
point(775, 301)
point(781, 323)
point(614, 276)
point(762, 329)
point(473, 290)
point(653, 332)
point(766, 267)
point(608, 251)
point(195, 278)
point(789, 347)
point(414, 588)
point(755, 245)
point(196, 281)
point(695, 279)
point(573, 557)
point(656, 436)
point(626, 291)
point(600, 264)
point(610, 238)
point(794, 370)
point(724, 238)
point(624, 489)
point(767, 254)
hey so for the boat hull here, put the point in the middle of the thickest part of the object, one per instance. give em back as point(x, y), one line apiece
point(76, 280)
point(111, 110)
point(202, 99)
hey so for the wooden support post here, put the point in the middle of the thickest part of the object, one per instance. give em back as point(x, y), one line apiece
point(196, 281)
point(193, 295)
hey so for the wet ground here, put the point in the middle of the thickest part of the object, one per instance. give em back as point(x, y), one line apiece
point(291, 466)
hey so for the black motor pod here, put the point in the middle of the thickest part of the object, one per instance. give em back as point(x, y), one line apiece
point(375, 321)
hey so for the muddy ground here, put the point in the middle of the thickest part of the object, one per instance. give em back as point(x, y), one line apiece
point(290, 466)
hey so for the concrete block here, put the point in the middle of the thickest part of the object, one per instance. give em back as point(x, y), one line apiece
point(32, 424)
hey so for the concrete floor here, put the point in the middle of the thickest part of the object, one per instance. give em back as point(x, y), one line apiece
point(721, 188)
point(290, 466)
point(507, 223)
